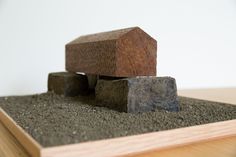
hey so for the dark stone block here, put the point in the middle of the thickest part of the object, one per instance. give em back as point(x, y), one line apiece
point(138, 94)
point(121, 53)
point(68, 84)
point(92, 79)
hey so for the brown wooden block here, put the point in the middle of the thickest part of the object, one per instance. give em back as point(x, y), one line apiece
point(120, 53)
point(68, 84)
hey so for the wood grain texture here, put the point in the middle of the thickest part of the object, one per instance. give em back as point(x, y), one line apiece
point(144, 142)
point(224, 147)
point(9, 146)
point(224, 95)
point(32, 147)
point(120, 53)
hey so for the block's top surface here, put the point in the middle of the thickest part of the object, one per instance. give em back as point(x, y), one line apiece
point(62, 74)
point(110, 35)
point(141, 79)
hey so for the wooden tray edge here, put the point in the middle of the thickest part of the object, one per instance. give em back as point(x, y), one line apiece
point(145, 142)
point(31, 145)
point(123, 145)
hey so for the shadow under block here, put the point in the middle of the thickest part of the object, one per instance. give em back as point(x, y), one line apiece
point(136, 95)
point(120, 53)
point(118, 146)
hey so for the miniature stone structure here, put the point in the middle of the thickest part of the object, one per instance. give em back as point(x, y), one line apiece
point(120, 67)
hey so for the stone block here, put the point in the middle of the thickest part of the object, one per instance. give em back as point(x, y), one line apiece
point(140, 94)
point(68, 84)
point(121, 53)
point(92, 79)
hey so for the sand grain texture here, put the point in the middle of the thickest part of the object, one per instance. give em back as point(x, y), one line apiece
point(56, 120)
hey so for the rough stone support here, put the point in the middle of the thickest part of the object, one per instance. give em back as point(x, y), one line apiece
point(140, 94)
point(68, 84)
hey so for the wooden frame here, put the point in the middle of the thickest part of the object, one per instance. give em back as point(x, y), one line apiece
point(123, 145)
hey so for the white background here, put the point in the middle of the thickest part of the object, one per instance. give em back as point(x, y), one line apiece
point(196, 38)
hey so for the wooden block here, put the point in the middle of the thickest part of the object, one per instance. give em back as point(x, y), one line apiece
point(68, 84)
point(138, 94)
point(120, 53)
